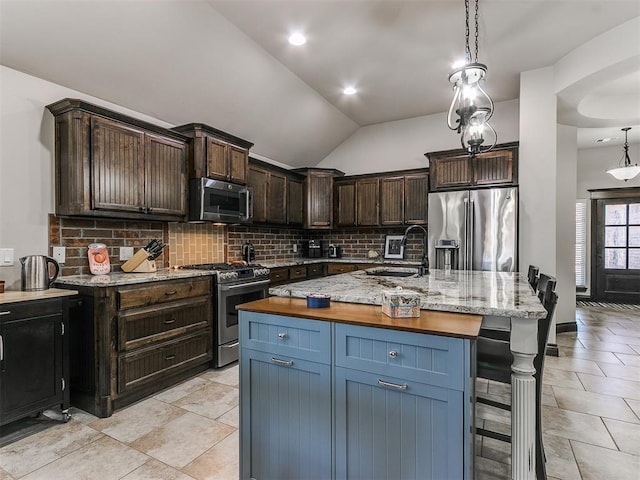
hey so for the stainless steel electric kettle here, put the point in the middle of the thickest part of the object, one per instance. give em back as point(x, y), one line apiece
point(35, 272)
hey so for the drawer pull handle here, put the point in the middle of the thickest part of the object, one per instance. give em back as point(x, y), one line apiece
point(170, 292)
point(169, 357)
point(5, 313)
point(169, 321)
point(282, 336)
point(1, 348)
point(277, 361)
point(393, 354)
point(392, 385)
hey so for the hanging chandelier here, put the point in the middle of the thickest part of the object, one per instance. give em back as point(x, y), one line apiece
point(472, 105)
point(625, 171)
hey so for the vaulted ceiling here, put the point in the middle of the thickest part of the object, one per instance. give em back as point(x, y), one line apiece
point(227, 63)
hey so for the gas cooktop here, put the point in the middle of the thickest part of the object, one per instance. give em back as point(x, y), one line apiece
point(231, 272)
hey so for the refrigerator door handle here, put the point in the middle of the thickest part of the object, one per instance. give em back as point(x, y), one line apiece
point(465, 254)
point(472, 225)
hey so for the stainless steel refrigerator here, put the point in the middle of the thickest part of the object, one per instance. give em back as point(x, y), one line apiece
point(474, 229)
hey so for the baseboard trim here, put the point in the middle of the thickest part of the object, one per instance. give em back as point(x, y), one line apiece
point(567, 327)
point(552, 350)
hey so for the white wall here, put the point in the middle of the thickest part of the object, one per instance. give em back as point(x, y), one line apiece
point(402, 144)
point(26, 163)
point(566, 166)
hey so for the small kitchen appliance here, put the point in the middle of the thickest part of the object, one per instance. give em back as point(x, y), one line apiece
point(335, 251)
point(312, 248)
point(248, 252)
point(218, 201)
point(98, 259)
point(35, 272)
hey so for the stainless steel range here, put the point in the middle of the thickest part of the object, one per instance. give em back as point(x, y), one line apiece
point(234, 284)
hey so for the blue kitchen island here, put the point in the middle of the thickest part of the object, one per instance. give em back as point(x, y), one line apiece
point(347, 392)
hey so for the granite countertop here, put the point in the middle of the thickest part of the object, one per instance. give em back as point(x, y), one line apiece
point(12, 296)
point(501, 294)
point(311, 261)
point(121, 278)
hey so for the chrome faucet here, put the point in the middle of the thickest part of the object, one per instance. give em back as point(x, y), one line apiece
point(424, 267)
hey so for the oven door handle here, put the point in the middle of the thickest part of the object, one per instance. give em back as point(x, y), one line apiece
point(226, 288)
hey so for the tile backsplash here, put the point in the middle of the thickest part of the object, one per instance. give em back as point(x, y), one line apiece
point(196, 243)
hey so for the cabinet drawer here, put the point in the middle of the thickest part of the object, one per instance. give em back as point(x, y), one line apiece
point(297, 273)
point(335, 268)
point(162, 292)
point(278, 275)
point(140, 327)
point(151, 363)
point(315, 270)
point(429, 359)
point(286, 336)
point(32, 308)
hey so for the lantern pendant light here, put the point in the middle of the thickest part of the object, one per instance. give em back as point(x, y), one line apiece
point(471, 104)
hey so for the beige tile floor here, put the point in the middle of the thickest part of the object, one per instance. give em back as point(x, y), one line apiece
point(591, 421)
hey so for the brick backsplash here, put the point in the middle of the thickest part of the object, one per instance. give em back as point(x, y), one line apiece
point(75, 234)
point(271, 244)
point(208, 243)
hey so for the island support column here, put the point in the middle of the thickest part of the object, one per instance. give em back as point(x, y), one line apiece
point(524, 347)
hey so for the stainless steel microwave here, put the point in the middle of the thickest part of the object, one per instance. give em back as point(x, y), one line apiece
point(218, 201)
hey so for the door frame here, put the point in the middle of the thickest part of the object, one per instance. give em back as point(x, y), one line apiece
point(598, 198)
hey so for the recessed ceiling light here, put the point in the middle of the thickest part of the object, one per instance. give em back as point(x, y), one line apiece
point(349, 90)
point(605, 140)
point(297, 39)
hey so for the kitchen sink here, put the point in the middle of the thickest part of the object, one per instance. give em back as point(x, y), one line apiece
point(392, 273)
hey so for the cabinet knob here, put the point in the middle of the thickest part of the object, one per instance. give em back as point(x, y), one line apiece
point(393, 354)
point(282, 336)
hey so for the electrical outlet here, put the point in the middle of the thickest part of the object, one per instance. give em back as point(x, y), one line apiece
point(126, 253)
point(6, 257)
point(295, 248)
point(59, 254)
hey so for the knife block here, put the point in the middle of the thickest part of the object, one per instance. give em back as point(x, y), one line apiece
point(139, 263)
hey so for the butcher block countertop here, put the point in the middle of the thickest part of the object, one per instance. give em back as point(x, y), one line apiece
point(18, 296)
point(430, 322)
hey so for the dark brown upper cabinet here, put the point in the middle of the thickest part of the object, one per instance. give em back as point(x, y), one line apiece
point(318, 196)
point(216, 154)
point(357, 202)
point(403, 199)
point(272, 200)
point(453, 169)
point(111, 165)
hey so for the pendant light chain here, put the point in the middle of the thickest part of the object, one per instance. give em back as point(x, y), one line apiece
point(467, 51)
point(476, 19)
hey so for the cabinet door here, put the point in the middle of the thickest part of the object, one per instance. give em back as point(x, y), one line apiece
point(117, 166)
point(367, 192)
point(392, 428)
point(277, 198)
point(259, 181)
point(294, 202)
point(238, 164)
point(286, 412)
point(31, 377)
point(166, 176)
point(449, 172)
point(319, 201)
point(416, 197)
point(345, 204)
point(493, 168)
point(217, 159)
point(392, 201)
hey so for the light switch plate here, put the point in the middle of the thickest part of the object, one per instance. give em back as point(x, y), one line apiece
point(126, 253)
point(6, 257)
point(59, 254)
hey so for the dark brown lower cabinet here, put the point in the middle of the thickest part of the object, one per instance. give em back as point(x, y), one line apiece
point(131, 341)
point(34, 358)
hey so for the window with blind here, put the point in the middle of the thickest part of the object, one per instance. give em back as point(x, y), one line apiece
point(581, 243)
